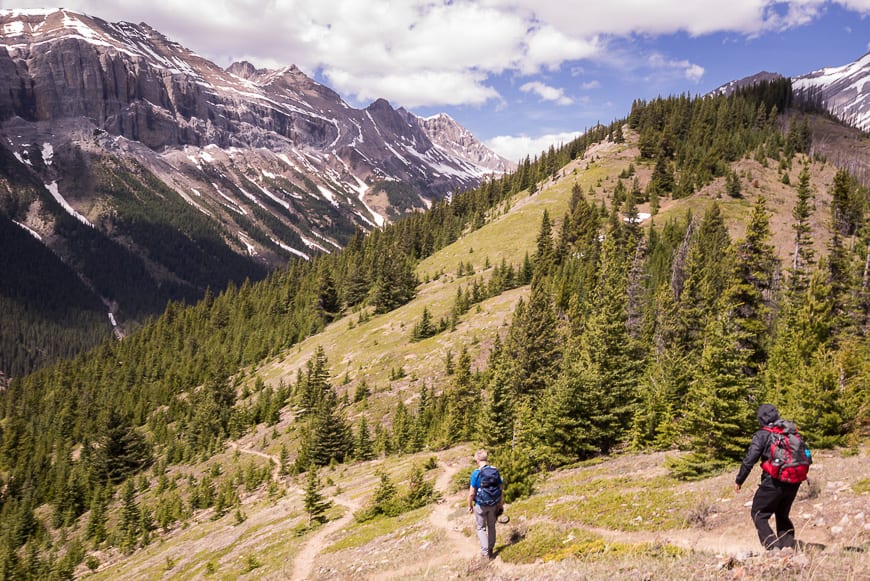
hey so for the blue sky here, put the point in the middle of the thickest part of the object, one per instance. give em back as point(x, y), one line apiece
point(520, 74)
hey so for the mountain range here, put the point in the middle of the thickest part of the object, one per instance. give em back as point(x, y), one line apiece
point(604, 321)
point(151, 174)
point(134, 172)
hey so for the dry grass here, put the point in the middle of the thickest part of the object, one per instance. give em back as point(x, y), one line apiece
point(620, 518)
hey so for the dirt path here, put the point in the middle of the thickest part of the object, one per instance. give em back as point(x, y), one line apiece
point(276, 462)
point(461, 546)
point(303, 564)
point(459, 551)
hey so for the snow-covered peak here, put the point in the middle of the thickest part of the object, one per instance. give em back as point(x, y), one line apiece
point(844, 90)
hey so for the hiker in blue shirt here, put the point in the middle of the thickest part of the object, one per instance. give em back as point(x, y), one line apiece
point(486, 501)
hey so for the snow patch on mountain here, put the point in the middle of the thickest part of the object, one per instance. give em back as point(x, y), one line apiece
point(47, 153)
point(55, 193)
point(290, 249)
point(32, 232)
point(329, 195)
point(844, 90)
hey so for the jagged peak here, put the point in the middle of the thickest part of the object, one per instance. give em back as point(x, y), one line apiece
point(379, 105)
point(439, 116)
point(243, 69)
point(759, 77)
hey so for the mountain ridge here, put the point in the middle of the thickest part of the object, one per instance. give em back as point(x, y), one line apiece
point(246, 367)
point(268, 165)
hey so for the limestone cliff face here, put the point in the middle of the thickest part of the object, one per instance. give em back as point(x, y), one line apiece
point(453, 137)
point(131, 81)
point(186, 175)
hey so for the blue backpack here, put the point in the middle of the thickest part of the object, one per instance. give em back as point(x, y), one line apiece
point(489, 491)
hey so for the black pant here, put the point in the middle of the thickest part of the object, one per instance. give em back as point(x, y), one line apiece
point(774, 498)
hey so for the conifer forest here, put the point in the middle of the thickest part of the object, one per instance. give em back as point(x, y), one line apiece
point(659, 336)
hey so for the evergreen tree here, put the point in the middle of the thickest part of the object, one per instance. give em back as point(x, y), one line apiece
point(95, 530)
point(719, 417)
point(732, 184)
point(328, 302)
point(750, 295)
point(420, 491)
point(424, 328)
point(364, 449)
point(330, 438)
point(607, 361)
point(121, 450)
point(463, 402)
point(315, 386)
point(803, 256)
point(496, 426)
point(129, 526)
point(385, 499)
point(314, 503)
point(394, 283)
point(532, 340)
point(544, 258)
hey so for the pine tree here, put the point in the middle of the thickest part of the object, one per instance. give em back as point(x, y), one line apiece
point(403, 439)
point(95, 530)
point(385, 499)
point(314, 386)
point(129, 527)
point(750, 293)
point(607, 361)
point(364, 449)
point(327, 301)
point(544, 258)
point(330, 439)
point(463, 403)
point(314, 503)
point(803, 258)
point(121, 451)
point(719, 416)
point(848, 203)
point(496, 425)
point(424, 328)
point(532, 340)
point(420, 491)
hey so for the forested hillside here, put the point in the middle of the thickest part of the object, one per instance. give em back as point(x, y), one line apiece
point(657, 333)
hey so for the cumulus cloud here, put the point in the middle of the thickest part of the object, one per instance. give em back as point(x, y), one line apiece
point(681, 68)
point(547, 93)
point(516, 148)
point(590, 85)
point(417, 52)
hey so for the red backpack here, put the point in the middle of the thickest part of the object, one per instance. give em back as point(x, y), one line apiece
point(788, 458)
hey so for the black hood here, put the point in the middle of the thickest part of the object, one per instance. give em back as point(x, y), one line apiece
point(767, 414)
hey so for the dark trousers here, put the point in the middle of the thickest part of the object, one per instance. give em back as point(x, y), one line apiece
point(774, 498)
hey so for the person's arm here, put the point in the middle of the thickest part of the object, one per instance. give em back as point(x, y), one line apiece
point(472, 489)
point(753, 454)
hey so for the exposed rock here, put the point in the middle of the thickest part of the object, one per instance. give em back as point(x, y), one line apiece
point(96, 114)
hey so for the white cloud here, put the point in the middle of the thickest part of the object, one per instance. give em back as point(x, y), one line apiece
point(425, 88)
point(547, 93)
point(590, 85)
point(441, 52)
point(517, 147)
point(681, 68)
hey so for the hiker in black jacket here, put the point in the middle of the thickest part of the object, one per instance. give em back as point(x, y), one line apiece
point(773, 497)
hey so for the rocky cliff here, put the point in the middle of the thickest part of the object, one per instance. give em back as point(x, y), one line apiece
point(154, 172)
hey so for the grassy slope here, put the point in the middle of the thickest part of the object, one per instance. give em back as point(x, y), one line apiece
point(623, 512)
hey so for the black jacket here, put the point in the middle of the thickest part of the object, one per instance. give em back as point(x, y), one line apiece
point(758, 450)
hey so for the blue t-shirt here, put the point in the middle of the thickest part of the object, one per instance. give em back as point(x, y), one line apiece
point(475, 479)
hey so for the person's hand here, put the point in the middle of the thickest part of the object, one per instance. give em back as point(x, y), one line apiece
point(470, 509)
point(736, 488)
